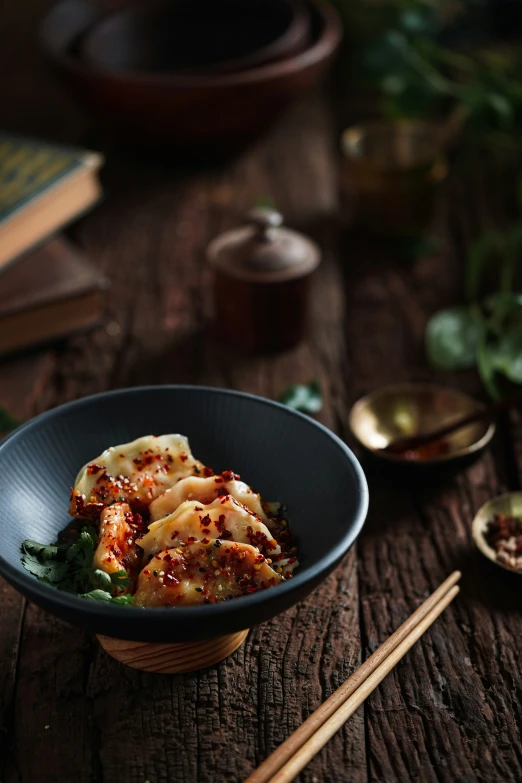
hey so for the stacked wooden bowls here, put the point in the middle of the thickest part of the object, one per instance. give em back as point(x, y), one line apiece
point(190, 75)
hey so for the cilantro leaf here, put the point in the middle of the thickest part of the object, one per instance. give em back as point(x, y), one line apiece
point(121, 579)
point(41, 551)
point(102, 579)
point(102, 595)
point(49, 571)
point(69, 567)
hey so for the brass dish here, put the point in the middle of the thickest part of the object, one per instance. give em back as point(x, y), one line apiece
point(509, 504)
point(414, 408)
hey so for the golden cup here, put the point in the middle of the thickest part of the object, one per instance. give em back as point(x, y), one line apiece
point(391, 171)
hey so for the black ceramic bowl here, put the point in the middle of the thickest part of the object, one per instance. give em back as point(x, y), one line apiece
point(285, 455)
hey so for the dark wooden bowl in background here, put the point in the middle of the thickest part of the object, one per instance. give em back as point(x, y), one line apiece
point(205, 116)
point(188, 37)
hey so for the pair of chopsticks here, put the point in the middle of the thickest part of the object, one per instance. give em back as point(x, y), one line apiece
point(295, 752)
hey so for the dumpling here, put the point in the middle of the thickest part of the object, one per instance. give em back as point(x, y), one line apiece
point(134, 473)
point(225, 518)
point(116, 550)
point(205, 490)
point(200, 573)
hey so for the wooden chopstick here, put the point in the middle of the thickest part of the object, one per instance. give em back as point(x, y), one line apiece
point(287, 758)
point(334, 723)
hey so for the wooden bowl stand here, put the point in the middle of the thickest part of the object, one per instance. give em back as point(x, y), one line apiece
point(172, 658)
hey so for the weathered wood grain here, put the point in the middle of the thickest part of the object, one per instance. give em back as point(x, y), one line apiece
point(451, 710)
point(107, 722)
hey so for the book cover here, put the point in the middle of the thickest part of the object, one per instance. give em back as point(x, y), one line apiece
point(52, 291)
point(29, 168)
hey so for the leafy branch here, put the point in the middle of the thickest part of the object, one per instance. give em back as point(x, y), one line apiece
point(418, 76)
point(487, 332)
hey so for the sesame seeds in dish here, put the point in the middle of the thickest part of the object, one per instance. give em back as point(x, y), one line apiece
point(154, 527)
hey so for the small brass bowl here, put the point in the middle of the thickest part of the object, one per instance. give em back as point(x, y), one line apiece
point(509, 504)
point(412, 409)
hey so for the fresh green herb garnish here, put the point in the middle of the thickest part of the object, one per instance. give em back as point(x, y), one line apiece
point(307, 398)
point(68, 566)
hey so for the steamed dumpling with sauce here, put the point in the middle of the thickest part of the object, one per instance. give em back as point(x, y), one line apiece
point(225, 518)
point(116, 550)
point(205, 490)
point(203, 572)
point(134, 473)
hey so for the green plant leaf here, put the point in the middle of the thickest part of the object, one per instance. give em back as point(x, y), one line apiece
point(124, 600)
point(121, 579)
point(43, 563)
point(41, 551)
point(102, 595)
point(7, 422)
point(504, 311)
point(102, 579)
point(306, 398)
point(479, 255)
point(507, 356)
point(502, 107)
point(452, 337)
point(486, 368)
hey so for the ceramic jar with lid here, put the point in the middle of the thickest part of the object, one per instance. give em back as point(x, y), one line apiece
point(262, 273)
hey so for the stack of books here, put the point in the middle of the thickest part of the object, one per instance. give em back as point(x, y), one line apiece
point(47, 288)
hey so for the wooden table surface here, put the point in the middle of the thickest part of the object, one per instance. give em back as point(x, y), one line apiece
point(452, 709)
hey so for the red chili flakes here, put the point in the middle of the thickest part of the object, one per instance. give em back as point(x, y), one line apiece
point(93, 469)
point(205, 521)
point(183, 457)
point(207, 472)
point(229, 475)
point(174, 534)
point(206, 531)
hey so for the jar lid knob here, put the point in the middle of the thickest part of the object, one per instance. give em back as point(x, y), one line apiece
point(263, 219)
